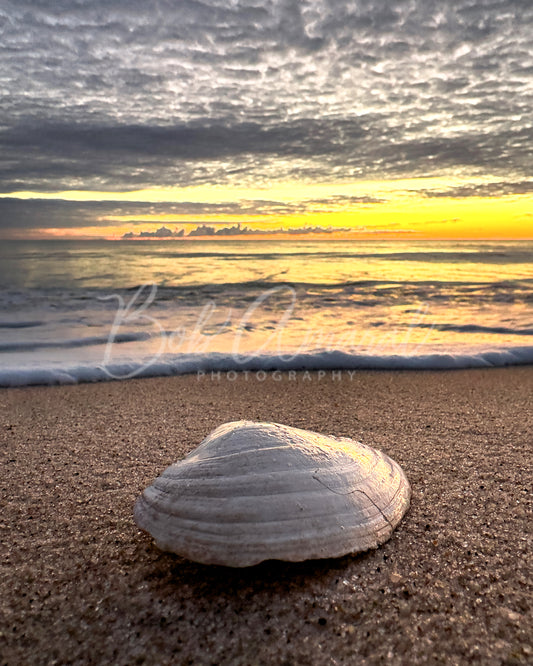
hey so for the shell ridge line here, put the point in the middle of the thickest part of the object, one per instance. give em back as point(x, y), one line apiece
point(356, 490)
point(288, 493)
point(176, 472)
point(331, 537)
point(377, 507)
point(193, 457)
point(258, 477)
point(266, 523)
point(377, 460)
point(309, 491)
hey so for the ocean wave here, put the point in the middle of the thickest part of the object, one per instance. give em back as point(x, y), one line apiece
point(523, 285)
point(20, 324)
point(218, 364)
point(34, 345)
point(39, 302)
point(476, 328)
point(443, 256)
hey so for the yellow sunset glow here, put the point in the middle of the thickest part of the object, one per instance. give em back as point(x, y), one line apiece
point(408, 208)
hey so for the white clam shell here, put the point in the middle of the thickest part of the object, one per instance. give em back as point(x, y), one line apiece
point(259, 491)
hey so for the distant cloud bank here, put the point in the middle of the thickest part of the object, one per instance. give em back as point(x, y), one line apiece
point(205, 230)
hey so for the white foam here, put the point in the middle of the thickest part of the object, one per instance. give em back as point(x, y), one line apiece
point(180, 364)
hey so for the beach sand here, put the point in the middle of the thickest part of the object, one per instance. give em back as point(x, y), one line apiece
point(79, 583)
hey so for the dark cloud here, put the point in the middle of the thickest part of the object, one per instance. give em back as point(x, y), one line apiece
point(120, 94)
point(57, 213)
point(207, 230)
point(140, 154)
point(130, 157)
point(162, 232)
point(483, 190)
point(50, 213)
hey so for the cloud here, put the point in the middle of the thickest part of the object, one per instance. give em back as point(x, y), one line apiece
point(137, 155)
point(58, 213)
point(207, 230)
point(483, 190)
point(50, 213)
point(121, 95)
point(162, 232)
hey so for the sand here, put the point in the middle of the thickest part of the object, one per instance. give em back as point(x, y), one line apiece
point(80, 584)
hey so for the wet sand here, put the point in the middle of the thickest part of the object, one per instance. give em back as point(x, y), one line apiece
point(80, 584)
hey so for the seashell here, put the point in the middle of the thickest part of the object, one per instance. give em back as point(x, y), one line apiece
point(260, 491)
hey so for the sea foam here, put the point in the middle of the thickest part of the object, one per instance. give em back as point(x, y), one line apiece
point(216, 363)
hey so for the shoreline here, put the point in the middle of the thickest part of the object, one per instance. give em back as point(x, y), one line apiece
point(335, 364)
point(80, 583)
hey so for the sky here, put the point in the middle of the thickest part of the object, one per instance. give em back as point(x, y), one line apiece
point(398, 119)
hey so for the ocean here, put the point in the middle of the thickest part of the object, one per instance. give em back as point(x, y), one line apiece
point(111, 310)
